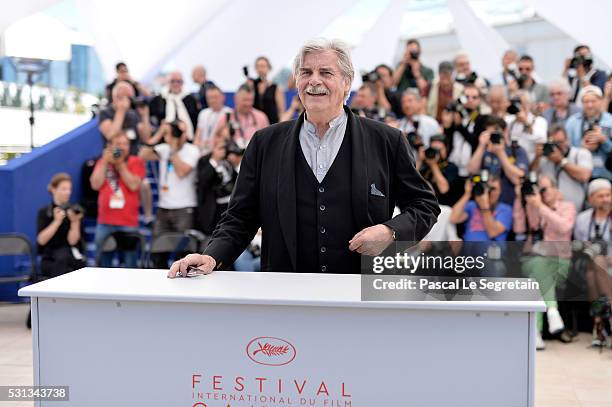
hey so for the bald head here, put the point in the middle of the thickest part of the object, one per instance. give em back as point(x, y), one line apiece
point(122, 89)
point(198, 74)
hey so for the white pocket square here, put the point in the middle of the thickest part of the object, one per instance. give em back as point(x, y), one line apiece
point(374, 191)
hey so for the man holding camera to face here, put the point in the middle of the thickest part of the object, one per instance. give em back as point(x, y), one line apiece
point(125, 114)
point(570, 167)
point(526, 127)
point(592, 129)
point(581, 72)
point(486, 218)
point(501, 157)
point(177, 160)
point(411, 73)
point(435, 168)
point(117, 176)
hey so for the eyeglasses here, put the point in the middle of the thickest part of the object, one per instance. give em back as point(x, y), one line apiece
point(555, 93)
point(473, 97)
point(176, 81)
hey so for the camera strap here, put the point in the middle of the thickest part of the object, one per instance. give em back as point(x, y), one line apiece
point(601, 230)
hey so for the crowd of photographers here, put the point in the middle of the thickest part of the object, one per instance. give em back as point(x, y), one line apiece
point(509, 158)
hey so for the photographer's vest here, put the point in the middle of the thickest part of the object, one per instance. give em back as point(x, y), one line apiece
point(324, 215)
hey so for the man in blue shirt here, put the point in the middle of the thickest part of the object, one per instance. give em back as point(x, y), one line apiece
point(592, 129)
point(500, 157)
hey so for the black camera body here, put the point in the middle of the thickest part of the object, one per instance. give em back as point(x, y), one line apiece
point(514, 107)
point(76, 208)
point(370, 77)
point(529, 184)
point(431, 152)
point(586, 61)
point(549, 148)
point(479, 183)
point(175, 129)
point(496, 137)
point(117, 153)
point(137, 102)
point(414, 139)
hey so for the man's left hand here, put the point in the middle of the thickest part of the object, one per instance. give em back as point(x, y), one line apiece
point(372, 240)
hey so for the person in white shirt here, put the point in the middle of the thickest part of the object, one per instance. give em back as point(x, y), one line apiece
point(421, 124)
point(177, 194)
point(209, 117)
point(525, 127)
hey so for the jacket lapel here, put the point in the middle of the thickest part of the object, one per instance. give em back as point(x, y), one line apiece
point(359, 173)
point(285, 198)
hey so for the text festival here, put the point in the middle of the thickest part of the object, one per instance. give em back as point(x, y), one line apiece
point(264, 391)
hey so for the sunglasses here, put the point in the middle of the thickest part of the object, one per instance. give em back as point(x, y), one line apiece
point(176, 81)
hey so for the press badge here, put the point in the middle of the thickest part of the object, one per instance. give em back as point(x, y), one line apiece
point(117, 200)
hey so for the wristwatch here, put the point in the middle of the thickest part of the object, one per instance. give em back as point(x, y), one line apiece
point(563, 162)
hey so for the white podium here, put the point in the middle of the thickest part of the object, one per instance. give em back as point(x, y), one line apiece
point(121, 337)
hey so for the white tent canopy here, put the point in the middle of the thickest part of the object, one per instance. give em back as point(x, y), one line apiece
point(224, 35)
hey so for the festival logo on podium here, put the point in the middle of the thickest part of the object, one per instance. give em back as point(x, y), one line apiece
point(270, 351)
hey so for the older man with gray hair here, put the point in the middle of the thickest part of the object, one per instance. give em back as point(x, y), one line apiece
point(321, 187)
point(560, 106)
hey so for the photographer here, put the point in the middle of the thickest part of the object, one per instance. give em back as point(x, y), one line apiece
point(500, 157)
point(570, 167)
point(209, 117)
point(526, 127)
point(125, 114)
point(216, 176)
point(465, 76)
point(240, 125)
point(548, 220)
point(177, 195)
point(561, 108)
point(198, 75)
point(388, 95)
point(413, 121)
point(117, 176)
point(365, 104)
point(175, 104)
point(593, 229)
point(441, 174)
point(581, 72)
point(269, 97)
point(410, 72)
point(486, 218)
point(60, 230)
point(123, 75)
point(509, 71)
point(592, 129)
point(443, 91)
point(537, 92)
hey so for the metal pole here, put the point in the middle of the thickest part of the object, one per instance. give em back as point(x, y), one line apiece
point(31, 83)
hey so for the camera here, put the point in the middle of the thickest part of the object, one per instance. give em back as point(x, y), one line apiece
point(232, 125)
point(515, 106)
point(76, 208)
point(414, 140)
point(467, 79)
point(370, 77)
point(456, 106)
point(175, 129)
point(549, 148)
point(431, 152)
point(598, 247)
point(479, 183)
point(245, 71)
point(137, 102)
point(117, 153)
point(529, 184)
point(586, 60)
point(496, 137)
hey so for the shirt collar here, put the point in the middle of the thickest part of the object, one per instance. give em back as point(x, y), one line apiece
point(333, 124)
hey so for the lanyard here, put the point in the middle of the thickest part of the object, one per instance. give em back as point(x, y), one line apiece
point(593, 223)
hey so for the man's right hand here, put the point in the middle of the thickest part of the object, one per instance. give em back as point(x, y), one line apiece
point(203, 262)
point(123, 104)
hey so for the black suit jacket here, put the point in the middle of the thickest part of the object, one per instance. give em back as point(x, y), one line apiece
point(157, 106)
point(265, 194)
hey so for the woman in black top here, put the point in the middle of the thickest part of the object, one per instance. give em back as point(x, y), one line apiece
point(60, 230)
point(269, 98)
